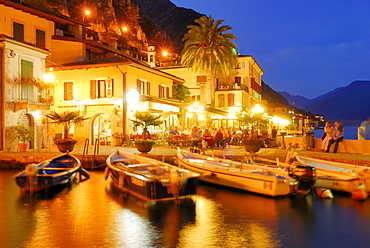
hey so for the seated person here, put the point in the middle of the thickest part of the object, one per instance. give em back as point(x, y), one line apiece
point(338, 135)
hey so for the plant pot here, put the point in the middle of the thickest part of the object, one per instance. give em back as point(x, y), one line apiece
point(144, 147)
point(252, 147)
point(64, 147)
point(117, 142)
point(23, 147)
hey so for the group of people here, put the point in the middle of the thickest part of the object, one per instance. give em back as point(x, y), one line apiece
point(332, 135)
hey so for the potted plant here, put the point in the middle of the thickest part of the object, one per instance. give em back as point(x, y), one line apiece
point(66, 120)
point(118, 138)
point(145, 120)
point(252, 144)
point(24, 135)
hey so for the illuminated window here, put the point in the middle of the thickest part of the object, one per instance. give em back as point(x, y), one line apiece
point(101, 88)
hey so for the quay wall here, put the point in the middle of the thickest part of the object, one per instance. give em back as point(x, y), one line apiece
point(345, 146)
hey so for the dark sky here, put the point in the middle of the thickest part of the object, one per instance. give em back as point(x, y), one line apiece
point(305, 47)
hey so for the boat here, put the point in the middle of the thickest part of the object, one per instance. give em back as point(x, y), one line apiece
point(149, 179)
point(338, 176)
point(61, 169)
point(256, 179)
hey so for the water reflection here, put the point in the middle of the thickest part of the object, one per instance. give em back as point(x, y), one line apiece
point(95, 214)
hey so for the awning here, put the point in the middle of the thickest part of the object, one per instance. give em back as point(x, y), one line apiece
point(216, 111)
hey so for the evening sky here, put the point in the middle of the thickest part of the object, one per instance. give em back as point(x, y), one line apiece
point(305, 47)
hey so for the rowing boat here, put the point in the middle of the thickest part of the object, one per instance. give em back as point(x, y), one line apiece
point(256, 179)
point(149, 179)
point(61, 169)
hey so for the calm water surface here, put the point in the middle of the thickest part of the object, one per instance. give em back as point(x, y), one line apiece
point(95, 214)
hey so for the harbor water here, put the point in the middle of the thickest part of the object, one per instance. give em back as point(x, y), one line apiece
point(95, 214)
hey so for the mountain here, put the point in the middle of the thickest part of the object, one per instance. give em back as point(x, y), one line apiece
point(297, 101)
point(349, 104)
point(271, 96)
point(166, 17)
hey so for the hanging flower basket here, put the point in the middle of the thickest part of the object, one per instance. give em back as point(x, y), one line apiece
point(144, 146)
point(253, 147)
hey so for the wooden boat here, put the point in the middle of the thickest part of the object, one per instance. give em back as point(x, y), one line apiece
point(61, 169)
point(149, 179)
point(338, 176)
point(257, 179)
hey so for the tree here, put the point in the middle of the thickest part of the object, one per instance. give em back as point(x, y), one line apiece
point(209, 50)
point(66, 119)
point(145, 120)
point(181, 92)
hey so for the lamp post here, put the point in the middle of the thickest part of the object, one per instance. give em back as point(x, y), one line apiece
point(86, 13)
point(195, 108)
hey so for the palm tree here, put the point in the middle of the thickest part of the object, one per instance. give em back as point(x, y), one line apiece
point(146, 120)
point(66, 119)
point(209, 50)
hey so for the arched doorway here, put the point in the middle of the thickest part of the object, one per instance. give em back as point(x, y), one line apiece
point(101, 129)
point(27, 120)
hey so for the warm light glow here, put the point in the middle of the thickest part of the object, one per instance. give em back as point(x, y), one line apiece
point(132, 97)
point(196, 104)
point(191, 109)
point(257, 109)
point(37, 114)
point(165, 53)
point(49, 78)
point(200, 108)
point(124, 29)
point(87, 12)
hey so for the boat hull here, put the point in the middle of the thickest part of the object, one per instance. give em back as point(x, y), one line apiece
point(259, 181)
point(56, 171)
point(149, 187)
point(338, 176)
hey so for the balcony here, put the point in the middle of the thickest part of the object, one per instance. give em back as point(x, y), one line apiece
point(232, 87)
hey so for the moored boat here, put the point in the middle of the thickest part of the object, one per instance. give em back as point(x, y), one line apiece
point(256, 179)
point(150, 179)
point(59, 170)
point(338, 176)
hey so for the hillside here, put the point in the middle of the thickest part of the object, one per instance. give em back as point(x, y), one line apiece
point(349, 104)
point(295, 100)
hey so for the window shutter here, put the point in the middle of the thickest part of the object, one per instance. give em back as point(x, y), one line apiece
point(110, 88)
point(68, 91)
point(40, 38)
point(160, 91)
point(231, 100)
point(18, 31)
point(148, 88)
point(92, 89)
point(138, 86)
point(167, 92)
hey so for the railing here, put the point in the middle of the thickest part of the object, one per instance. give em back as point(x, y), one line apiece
point(232, 87)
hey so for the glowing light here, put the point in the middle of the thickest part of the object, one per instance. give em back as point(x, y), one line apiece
point(124, 29)
point(87, 12)
point(49, 77)
point(132, 97)
point(257, 109)
point(165, 53)
point(196, 104)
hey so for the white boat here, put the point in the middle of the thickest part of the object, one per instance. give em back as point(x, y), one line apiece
point(149, 179)
point(338, 176)
point(241, 176)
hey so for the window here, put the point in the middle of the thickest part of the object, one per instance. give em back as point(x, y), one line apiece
point(26, 77)
point(201, 79)
point(68, 91)
point(143, 87)
point(18, 31)
point(231, 99)
point(238, 81)
point(221, 100)
point(164, 92)
point(195, 98)
point(101, 88)
point(40, 38)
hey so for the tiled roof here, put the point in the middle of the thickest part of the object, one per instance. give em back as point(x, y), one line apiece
point(112, 60)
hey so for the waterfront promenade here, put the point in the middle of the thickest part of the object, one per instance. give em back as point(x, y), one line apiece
point(18, 159)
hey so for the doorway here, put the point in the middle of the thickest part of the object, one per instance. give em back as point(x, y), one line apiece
point(101, 130)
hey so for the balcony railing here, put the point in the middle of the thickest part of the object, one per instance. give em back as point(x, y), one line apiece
point(232, 87)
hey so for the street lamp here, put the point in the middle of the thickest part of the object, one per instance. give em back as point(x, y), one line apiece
point(86, 13)
point(196, 109)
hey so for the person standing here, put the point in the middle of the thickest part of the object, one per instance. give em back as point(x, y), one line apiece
point(338, 135)
point(328, 133)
